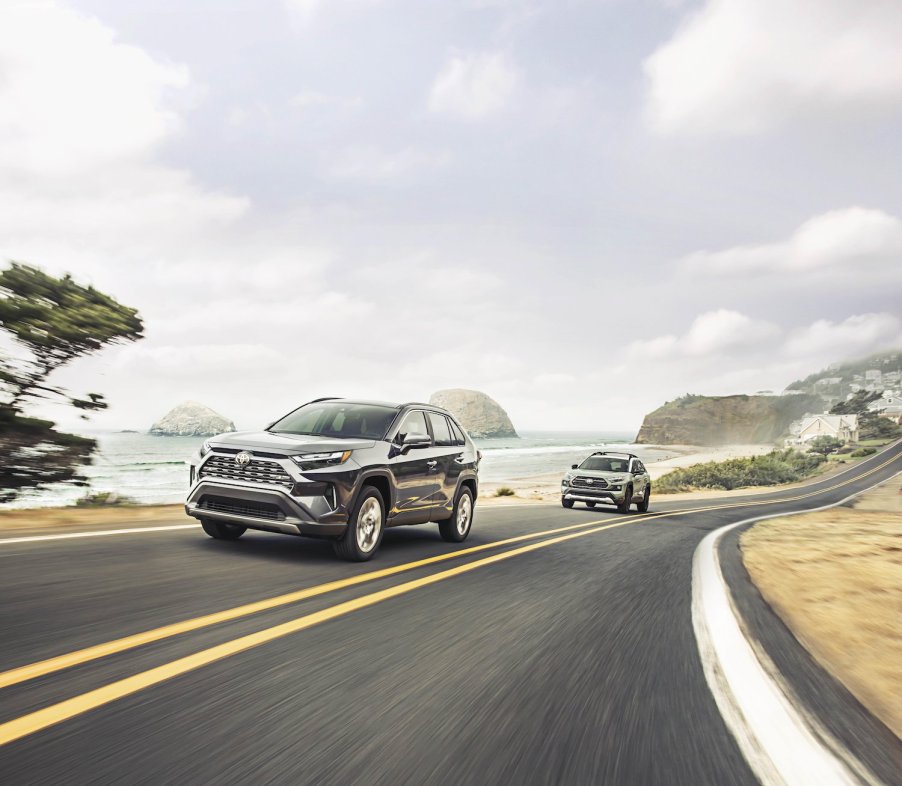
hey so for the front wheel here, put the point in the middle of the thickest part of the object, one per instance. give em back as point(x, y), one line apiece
point(624, 507)
point(365, 527)
point(220, 531)
point(642, 506)
point(456, 529)
point(590, 504)
point(567, 503)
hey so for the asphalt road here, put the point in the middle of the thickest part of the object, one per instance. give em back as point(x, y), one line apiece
point(543, 660)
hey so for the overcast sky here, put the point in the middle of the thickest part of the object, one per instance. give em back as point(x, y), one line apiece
point(581, 208)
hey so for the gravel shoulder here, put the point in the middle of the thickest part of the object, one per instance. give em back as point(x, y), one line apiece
point(835, 579)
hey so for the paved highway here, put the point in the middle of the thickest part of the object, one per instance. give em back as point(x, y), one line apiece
point(554, 646)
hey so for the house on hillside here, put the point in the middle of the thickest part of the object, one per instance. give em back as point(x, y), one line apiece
point(885, 402)
point(843, 427)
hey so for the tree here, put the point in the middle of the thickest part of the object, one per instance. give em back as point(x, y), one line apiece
point(51, 321)
point(825, 445)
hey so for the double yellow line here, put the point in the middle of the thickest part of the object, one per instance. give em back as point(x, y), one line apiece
point(64, 710)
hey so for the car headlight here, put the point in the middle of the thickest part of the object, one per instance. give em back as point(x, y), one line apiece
point(321, 460)
point(205, 448)
point(616, 480)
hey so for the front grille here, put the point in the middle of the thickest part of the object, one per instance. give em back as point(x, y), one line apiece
point(257, 471)
point(242, 507)
point(588, 483)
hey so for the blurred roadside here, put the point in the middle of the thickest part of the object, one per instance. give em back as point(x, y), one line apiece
point(835, 578)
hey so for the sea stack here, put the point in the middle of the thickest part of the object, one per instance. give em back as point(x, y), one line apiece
point(479, 414)
point(191, 419)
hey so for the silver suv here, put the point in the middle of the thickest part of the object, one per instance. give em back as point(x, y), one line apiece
point(618, 478)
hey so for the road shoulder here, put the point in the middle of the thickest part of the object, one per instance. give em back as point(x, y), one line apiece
point(810, 687)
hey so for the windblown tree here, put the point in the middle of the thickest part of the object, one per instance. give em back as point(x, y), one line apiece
point(50, 321)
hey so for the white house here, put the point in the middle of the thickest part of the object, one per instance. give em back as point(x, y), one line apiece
point(884, 403)
point(844, 427)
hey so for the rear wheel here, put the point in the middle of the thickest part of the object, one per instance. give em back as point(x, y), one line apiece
point(642, 506)
point(567, 503)
point(590, 504)
point(365, 527)
point(624, 507)
point(456, 528)
point(220, 531)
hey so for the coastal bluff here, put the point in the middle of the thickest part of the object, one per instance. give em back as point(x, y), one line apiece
point(721, 420)
point(479, 414)
point(191, 419)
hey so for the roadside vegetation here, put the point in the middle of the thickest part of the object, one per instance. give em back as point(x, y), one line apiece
point(104, 499)
point(771, 469)
point(50, 322)
point(504, 491)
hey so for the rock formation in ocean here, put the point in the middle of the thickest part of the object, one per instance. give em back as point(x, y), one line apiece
point(191, 419)
point(479, 414)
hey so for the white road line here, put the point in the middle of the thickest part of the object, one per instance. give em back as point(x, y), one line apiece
point(97, 533)
point(781, 741)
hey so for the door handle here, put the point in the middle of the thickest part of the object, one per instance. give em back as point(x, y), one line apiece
point(432, 464)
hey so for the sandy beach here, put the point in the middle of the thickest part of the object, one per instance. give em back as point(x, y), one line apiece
point(547, 487)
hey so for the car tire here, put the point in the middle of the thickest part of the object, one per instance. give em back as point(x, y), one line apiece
point(642, 506)
point(366, 525)
point(456, 528)
point(590, 504)
point(567, 503)
point(624, 507)
point(220, 531)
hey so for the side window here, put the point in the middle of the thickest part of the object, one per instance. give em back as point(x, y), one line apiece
point(457, 433)
point(414, 423)
point(440, 430)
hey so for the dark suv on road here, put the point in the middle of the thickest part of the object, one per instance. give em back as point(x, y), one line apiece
point(342, 470)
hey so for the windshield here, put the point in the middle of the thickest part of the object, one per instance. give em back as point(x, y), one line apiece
point(605, 464)
point(337, 419)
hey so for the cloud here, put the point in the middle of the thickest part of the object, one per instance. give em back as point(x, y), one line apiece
point(312, 99)
point(106, 104)
point(711, 333)
point(746, 66)
point(305, 12)
point(473, 86)
point(839, 340)
point(368, 162)
point(853, 235)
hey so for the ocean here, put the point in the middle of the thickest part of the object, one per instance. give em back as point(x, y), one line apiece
point(151, 469)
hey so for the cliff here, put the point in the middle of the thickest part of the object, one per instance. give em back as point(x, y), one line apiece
point(713, 420)
point(191, 419)
point(479, 414)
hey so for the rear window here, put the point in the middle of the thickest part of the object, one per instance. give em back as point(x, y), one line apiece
point(457, 433)
point(440, 431)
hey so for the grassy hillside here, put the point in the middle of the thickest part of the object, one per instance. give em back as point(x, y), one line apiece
point(720, 420)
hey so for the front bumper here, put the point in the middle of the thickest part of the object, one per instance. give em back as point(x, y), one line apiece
point(268, 509)
point(581, 494)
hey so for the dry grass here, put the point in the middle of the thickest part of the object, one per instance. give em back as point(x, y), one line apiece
point(835, 577)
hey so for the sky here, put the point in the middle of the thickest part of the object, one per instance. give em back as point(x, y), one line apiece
point(583, 209)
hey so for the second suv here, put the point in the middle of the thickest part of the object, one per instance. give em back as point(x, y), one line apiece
point(618, 478)
point(341, 470)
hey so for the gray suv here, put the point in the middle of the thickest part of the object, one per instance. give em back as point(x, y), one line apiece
point(618, 478)
point(341, 470)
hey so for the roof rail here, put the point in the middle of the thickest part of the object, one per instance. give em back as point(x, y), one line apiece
point(617, 452)
point(324, 398)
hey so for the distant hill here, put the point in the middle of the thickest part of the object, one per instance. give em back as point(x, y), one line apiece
point(720, 420)
point(874, 373)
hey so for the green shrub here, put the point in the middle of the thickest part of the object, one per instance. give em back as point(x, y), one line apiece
point(104, 499)
point(504, 491)
point(774, 468)
point(863, 452)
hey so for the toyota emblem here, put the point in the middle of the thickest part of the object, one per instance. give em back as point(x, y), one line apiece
point(243, 458)
point(590, 482)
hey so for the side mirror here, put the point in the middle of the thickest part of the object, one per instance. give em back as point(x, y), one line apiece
point(416, 440)
point(574, 466)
